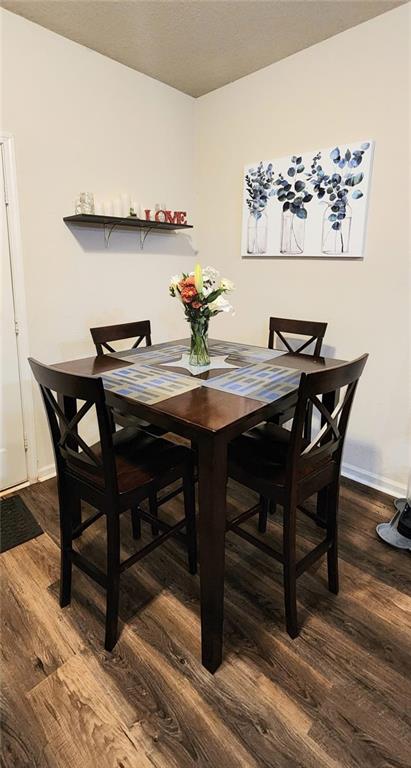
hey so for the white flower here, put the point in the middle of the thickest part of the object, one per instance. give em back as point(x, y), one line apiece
point(220, 304)
point(209, 273)
point(175, 280)
point(227, 285)
point(207, 288)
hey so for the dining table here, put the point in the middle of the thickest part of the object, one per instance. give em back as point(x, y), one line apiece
point(243, 385)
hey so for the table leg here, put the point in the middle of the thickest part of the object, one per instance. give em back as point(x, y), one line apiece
point(212, 521)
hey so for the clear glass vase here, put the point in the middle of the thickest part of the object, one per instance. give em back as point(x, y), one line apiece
point(292, 233)
point(336, 240)
point(199, 342)
point(257, 233)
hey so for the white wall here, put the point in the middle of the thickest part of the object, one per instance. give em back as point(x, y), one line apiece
point(84, 122)
point(353, 86)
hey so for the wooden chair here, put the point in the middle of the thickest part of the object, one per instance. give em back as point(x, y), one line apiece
point(114, 475)
point(104, 334)
point(286, 468)
point(315, 331)
point(101, 337)
point(280, 326)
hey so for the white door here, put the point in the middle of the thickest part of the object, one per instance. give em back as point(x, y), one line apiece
point(13, 467)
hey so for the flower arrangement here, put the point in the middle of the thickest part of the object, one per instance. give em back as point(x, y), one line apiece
point(293, 194)
point(202, 295)
point(335, 187)
point(259, 182)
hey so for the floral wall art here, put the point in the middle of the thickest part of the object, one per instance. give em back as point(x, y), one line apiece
point(313, 204)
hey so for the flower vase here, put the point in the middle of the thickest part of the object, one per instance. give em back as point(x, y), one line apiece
point(336, 230)
point(257, 233)
point(199, 343)
point(292, 233)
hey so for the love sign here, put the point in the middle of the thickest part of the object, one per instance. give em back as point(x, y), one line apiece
point(177, 217)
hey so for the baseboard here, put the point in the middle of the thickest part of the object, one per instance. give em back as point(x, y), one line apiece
point(373, 481)
point(45, 473)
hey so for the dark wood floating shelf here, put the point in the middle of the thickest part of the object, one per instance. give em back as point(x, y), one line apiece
point(119, 221)
point(110, 223)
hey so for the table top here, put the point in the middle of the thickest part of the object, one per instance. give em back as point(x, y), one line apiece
point(243, 385)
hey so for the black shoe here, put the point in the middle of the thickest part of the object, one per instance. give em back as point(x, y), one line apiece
point(404, 522)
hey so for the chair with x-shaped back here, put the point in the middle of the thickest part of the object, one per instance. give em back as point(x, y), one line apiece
point(113, 476)
point(140, 330)
point(286, 468)
point(280, 328)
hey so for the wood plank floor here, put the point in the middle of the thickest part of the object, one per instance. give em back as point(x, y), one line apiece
point(339, 695)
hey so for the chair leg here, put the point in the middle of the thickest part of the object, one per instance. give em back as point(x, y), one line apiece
point(153, 507)
point(272, 507)
point(75, 506)
point(332, 534)
point(136, 523)
point(322, 507)
point(66, 540)
point(290, 578)
point(263, 513)
point(190, 515)
point(113, 580)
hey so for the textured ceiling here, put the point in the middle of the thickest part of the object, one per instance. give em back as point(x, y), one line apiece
point(198, 45)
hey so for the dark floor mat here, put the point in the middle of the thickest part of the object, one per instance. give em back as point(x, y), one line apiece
point(17, 524)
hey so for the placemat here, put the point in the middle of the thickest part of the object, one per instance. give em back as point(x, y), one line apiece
point(246, 351)
point(261, 382)
point(148, 356)
point(147, 385)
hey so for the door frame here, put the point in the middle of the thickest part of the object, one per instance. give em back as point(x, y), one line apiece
point(20, 306)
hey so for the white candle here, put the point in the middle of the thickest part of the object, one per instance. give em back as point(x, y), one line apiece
point(117, 206)
point(125, 204)
point(136, 208)
point(98, 208)
point(108, 208)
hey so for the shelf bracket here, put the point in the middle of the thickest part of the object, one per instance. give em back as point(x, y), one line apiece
point(107, 233)
point(143, 236)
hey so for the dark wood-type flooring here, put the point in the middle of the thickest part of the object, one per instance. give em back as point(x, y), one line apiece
point(339, 695)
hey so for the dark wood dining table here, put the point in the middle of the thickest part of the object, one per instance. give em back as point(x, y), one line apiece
point(210, 418)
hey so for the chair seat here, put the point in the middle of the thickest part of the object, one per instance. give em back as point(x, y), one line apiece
point(140, 460)
point(262, 453)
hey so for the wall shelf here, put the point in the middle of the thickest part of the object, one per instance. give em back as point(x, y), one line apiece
point(110, 223)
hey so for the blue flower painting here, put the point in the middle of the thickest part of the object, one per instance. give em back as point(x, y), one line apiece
point(312, 204)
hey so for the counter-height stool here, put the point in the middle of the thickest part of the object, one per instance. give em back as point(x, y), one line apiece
point(101, 337)
point(113, 476)
point(281, 328)
point(140, 330)
point(314, 332)
point(286, 468)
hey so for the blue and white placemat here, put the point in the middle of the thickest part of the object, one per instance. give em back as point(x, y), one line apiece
point(261, 382)
point(148, 385)
point(152, 356)
point(246, 351)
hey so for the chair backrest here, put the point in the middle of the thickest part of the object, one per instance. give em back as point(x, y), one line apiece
point(60, 392)
point(314, 330)
point(331, 392)
point(102, 335)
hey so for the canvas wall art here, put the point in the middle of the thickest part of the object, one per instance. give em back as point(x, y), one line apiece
point(308, 205)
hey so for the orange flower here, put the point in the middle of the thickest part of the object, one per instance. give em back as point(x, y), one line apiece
point(196, 304)
point(188, 293)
